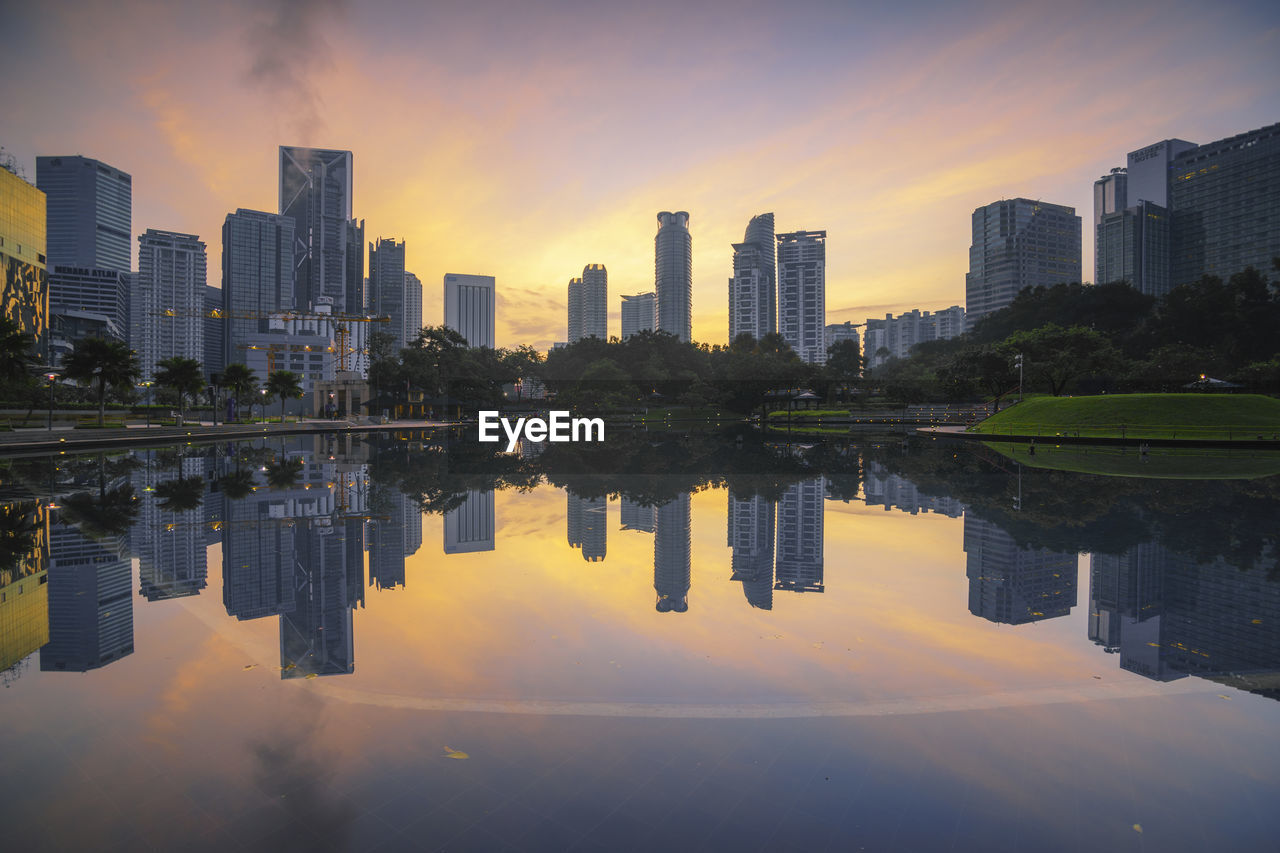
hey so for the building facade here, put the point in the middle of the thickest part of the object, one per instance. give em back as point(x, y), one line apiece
point(639, 313)
point(1133, 246)
point(838, 332)
point(469, 308)
point(387, 286)
point(257, 277)
point(90, 212)
point(412, 307)
point(753, 289)
point(673, 274)
point(24, 288)
point(316, 193)
point(893, 337)
point(166, 308)
point(1019, 243)
point(589, 304)
point(98, 291)
point(802, 293)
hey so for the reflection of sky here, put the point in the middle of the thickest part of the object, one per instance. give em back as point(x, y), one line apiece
point(526, 140)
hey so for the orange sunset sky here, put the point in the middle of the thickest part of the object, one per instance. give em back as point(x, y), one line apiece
point(526, 139)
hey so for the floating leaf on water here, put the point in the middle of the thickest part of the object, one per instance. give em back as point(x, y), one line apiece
point(1256, 622)
point(1137, 827)
point(250, 666)
point(310, 675)
point(450, 752)
point(288, 667)
point(1224, 696)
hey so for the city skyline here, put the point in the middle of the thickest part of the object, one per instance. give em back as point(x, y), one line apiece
point(859, 151)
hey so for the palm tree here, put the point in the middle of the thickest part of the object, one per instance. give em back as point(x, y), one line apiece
point(183, 376)
point(104, 362)
point(240, 380)
point(284, 384)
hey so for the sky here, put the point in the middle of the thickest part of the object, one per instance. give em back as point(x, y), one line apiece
point(526, 140)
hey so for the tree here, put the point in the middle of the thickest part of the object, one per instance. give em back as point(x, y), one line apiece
point(16, 349)
point(286, 385)
point(988, 366)
point(102, 362)
point(182, 376)
point(844, 362)
point(1059, 356)
point(240, 381)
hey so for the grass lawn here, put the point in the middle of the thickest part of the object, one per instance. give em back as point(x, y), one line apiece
point(1161, 463)
point(1187, 416)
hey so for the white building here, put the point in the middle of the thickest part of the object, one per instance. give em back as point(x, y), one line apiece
point(639, 313)
point(469, 307)
point(166, 307)
point(673, 274)
point(893, 337)
point(753, 292)
point(802, 293)
point(589, 304)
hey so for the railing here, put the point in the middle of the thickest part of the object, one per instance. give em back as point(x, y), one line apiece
point(1228, 432)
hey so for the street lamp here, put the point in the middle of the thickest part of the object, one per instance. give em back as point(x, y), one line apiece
point(51, 377)
point(148, 385)
point(263, 404)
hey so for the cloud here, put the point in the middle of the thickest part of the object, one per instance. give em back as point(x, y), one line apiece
point(288, 51)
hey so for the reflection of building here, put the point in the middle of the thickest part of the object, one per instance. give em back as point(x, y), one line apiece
point(166, 305)
point(1126, 606)
point(802, 293)
point(637, 516)
point(1019, 243)
point(24, 293)
point(317, 632)
point(799, 566)
point(751, 536)
point(24, 589)
point(170, 546)
point(1012, 584)
point(891, 491)
point(392, 539)
point(639, 313)
point(470, 527)
point(258, 557)
point(587, 523)
point(90, 602)
point(469, 307)
point(673, 274)
point(671, 556)
point(753, 289)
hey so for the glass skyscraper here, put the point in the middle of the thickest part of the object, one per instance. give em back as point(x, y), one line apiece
point(90, 212)
point(386, 285)
point(1019, 243)
point(24, 287)
point(315, 192)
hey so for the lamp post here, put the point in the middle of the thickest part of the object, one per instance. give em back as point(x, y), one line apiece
point(51, 377)
point(263, 403)
point(148, 385)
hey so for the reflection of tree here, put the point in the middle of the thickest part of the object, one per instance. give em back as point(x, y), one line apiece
point(284, 474)
point(109, 513)
point(180, 495)
point(19, 528)
point(237, 485)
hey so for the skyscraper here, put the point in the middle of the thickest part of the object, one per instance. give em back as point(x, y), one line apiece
point(1133, 246)
point(412, 307)
point(1019, 243)
point(90, 213)
point(589, 304)
point(386, 286)
point(753, 290)
point(1223, 210)
point(315, 192)
point(24, 283)
point(93, 290)
point(802, 293)
point(167, 301)
point(469, 307)
point(257, 276)
point(214, 359)
point(639, 313)
point(673, 274)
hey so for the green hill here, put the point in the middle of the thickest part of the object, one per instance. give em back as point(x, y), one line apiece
point(1184, 416)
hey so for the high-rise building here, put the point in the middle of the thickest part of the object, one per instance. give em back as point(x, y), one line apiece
point(1015, 584)
point(386, 286)
point(586, 526)
point(753, 289)
point(893, 337)
point(215, 332)
point(1147, 171)
point(846, 331)
point(1133, 246)
point(639, 313)
point(90, 213)
point(469, 307)
point(167, 300)
point(673, 274)
point(1110, 193)
point(799, 563)
point(257, 278)
point(672, 566)
point(589, 304)
point(802, 293)
point(470, 526)
point(316, 192)
point(94, 290)
point(24, 283)
point(1019, 243)
point(412, 307)
point(1224, 213)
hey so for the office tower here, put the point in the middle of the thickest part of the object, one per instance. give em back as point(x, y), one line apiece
point(167, 301)
point(637, 516)
point(846, 331)
point(86, 303)
point(357, 282)
point(673, 274)
point(24, 283)
point(1012, 584)
point(24, 576)
point(753, 289)
point(1133, 246)
point(751, 536)
point(586, 522)
point(90, 602)
point(169, 543)
point(90, 213)
point(1148, 172)
point(639, 313)
point(412, 307)
point(589, 304)
point(802, 293)
point(1222, 201)
point(1019, 243)
point(799, 565)
point(671, 555)
point(257, 278)
point(315, 192)
point(386, 286)
point(215, 332)
point(469, 308)
point(470, 526)
point(893, 337)
point(1110, 194)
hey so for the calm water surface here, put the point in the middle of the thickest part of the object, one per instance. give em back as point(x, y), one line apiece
point(671, 642)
